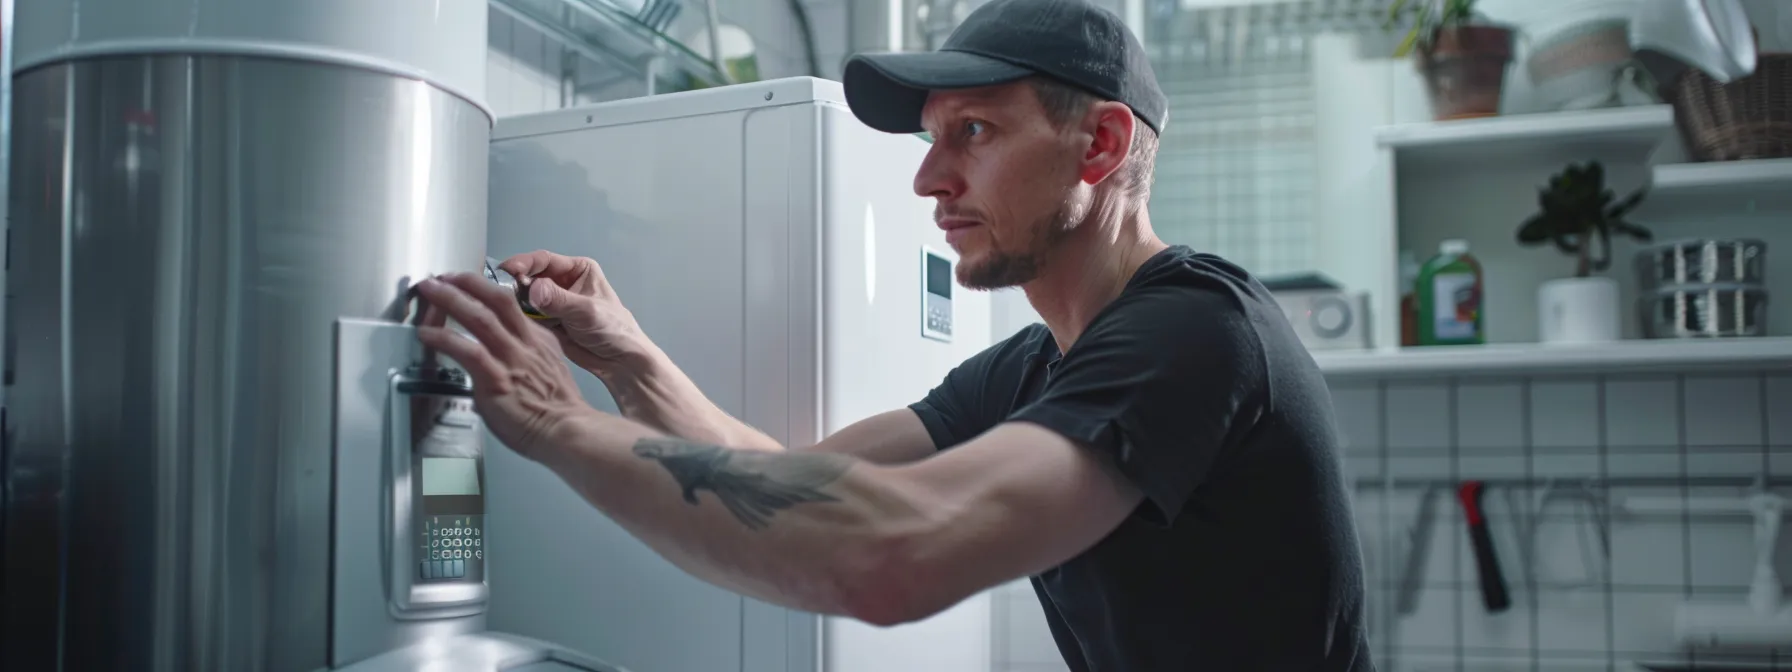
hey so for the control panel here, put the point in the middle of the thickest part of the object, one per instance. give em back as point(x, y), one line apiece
point(936, 295)
point(438, 492)
point(453, 546)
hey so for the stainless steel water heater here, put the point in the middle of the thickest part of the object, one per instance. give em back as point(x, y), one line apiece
point(224, 448)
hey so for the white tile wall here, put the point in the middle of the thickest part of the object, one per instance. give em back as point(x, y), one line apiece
point(1573, 604)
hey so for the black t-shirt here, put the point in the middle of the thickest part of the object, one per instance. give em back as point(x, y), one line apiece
point(1244, 554)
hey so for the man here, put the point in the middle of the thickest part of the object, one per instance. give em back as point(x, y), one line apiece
point(1159, 456)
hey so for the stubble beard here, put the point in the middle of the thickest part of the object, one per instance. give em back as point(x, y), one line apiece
point(1008, 268)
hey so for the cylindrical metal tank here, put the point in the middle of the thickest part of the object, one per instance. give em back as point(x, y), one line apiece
point(199, 188)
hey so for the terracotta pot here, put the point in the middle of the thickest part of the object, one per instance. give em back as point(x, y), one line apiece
point(1465, 70)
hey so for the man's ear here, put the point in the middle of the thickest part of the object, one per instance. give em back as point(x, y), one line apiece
point(1110, 127)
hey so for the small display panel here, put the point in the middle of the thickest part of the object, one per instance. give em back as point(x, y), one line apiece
point(446, 450)
point(450, 476)
point(939, 276)
point(936, 296)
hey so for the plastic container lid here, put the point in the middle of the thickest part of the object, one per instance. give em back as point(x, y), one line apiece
point(1453, 247)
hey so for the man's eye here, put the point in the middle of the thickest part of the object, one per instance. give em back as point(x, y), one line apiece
point(973, 127)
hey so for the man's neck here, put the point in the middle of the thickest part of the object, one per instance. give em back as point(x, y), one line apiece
point(1088, 271)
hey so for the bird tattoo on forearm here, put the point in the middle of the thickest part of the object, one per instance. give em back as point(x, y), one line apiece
point(752, 485)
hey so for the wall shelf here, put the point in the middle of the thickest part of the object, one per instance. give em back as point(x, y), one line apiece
point(1615, 133)
point(638, 45)
point(1526, 359)
point(1683, 190)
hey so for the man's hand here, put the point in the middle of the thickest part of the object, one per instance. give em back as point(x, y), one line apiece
point(521, 387)
point(600, 335)
point(596, 331)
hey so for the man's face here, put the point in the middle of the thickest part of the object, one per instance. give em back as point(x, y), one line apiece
point(1007, 182)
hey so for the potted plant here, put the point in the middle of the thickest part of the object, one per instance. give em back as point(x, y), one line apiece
point(1578, 212)
point(1462, 58)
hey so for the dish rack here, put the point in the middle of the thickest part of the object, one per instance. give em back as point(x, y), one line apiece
point(1703, 288)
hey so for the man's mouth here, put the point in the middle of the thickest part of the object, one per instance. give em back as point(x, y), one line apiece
point(957, 228)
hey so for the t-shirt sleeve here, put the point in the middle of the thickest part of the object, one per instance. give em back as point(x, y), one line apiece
point(960, 408)
point(1164, 383)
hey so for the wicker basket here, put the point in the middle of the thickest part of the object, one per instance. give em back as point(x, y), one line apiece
point(1750, 118)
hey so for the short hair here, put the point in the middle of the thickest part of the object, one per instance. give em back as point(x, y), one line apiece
point(1065, 103)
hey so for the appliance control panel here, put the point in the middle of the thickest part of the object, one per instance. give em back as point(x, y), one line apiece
point(936, 295)
point(454, 548)
point(437, 454)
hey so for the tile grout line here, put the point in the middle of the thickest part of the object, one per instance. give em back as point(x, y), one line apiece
point(1453, 415)
point(1685, 494)
point(1762, 390)
point(1599, 410)
point(1530, 472)
point(1390, 607)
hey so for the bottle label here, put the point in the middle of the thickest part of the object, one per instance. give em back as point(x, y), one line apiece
point(1457, 306)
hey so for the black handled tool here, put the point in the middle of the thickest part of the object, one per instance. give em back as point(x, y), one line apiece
point(1493, 583)
point(520, 286)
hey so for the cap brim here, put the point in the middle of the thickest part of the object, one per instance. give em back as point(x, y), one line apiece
point(887, 91)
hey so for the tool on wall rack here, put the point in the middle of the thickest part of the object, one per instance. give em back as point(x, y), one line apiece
point(1596, 553)
point(1493, 583)
point(1760, 623)
point(1418, 549)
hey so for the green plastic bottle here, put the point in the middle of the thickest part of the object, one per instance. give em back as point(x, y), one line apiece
point(1449, 297)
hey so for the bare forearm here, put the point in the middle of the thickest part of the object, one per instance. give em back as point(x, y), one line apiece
point(804, 530)
point(656, 393)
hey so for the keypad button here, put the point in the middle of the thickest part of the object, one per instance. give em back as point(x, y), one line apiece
point(478, 555)
point(423, 570)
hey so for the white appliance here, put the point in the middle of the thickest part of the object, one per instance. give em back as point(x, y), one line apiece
point(773, 246)
point(1328, 319)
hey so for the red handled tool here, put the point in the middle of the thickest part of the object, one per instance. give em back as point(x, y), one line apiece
point(1493, 583)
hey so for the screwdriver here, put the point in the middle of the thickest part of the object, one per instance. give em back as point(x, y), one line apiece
point(518, 286)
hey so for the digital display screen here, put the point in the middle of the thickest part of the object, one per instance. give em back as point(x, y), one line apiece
point(939, 276)
point(450, 476)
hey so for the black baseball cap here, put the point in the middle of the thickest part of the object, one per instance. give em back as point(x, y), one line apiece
point(1072, 41)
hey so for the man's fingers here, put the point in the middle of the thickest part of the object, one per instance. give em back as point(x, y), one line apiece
point(540, 263)
point(472, 355)
point(455, 300)
point(432, 316)
point(496, 298)
point(562, 269)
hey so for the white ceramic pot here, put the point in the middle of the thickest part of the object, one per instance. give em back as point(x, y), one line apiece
point(1579, 310)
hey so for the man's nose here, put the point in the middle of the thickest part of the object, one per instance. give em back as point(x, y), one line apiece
point(936, 177)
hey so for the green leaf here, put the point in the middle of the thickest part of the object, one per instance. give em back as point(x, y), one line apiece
point(1393, 17)
point(1636, 232)
point(1536, 230)
point(1625, 206)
